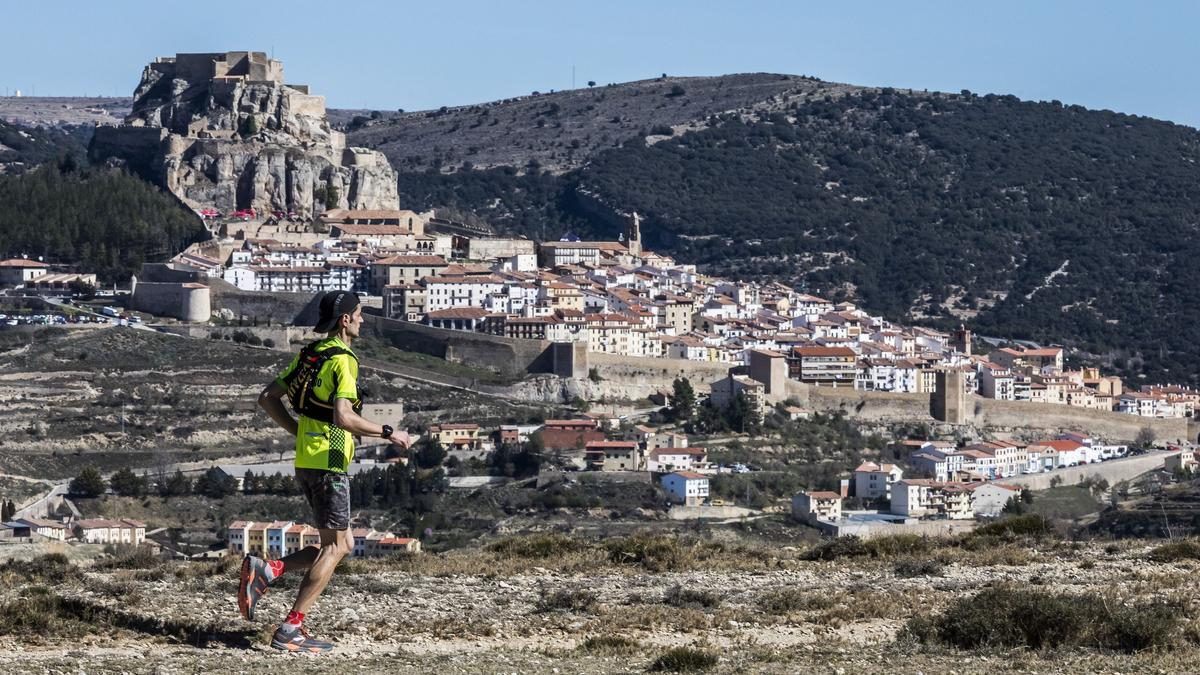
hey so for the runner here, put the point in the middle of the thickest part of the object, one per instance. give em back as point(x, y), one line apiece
point(321, 383)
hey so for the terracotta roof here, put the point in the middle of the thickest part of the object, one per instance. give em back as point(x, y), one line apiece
point(399, 260)
point(458, 313)
point(823, 494)
point(362, 230)
point(21, 262)
point(823, 351)
point(690, 475)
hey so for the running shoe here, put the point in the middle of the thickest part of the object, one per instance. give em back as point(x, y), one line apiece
point(256, 581)
point(298, 641)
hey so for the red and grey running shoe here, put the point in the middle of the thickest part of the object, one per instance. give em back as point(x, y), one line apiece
point(298, 641)
point(257, 576)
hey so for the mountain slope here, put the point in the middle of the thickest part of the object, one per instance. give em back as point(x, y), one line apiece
point(560, 131)
point(1028, 220)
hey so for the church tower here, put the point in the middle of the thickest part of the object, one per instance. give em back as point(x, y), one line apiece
point(634, 240)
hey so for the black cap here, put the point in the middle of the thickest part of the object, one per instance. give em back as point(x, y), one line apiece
point(333, 305)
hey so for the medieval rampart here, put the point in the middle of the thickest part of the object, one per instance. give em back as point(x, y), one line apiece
point(1017, 417)
point(504, 355)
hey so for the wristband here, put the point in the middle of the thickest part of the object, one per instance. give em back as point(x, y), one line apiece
point(387, 431)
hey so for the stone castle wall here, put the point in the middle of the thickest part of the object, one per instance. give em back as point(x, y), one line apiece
point(1022, 419)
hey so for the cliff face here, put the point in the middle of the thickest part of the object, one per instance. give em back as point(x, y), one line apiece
point(224, 131)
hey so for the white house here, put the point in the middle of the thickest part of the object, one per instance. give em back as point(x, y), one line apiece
point(676, 459)
point(102, 531)
point(686, 487)
point(874, 481)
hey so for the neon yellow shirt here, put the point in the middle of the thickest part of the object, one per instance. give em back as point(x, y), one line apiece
point(320, 445)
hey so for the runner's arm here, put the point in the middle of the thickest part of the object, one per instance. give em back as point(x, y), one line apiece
point(345, 417)
point(271, 400)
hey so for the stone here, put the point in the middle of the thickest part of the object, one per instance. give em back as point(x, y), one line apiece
point(224, 131)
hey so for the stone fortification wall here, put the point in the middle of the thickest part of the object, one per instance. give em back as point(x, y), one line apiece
point(184, 301)
point(279, 335)
point(298, 309)
point(479, 248)
point(655, 373)
point(1111, 426)
point(1019, 418)
point(505, 355)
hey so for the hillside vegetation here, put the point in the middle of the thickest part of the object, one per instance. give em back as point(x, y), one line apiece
point(1027, 220)
point(103, 221)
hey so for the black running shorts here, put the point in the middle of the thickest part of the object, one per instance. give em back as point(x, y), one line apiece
point(328, 493)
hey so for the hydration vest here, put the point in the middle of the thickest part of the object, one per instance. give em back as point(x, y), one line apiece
point(302, 383)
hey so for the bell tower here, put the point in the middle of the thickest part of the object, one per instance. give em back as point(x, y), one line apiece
point(634, 240)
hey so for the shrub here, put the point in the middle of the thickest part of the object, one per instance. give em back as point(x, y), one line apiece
point(1174, 551)
point(609, 644)
point(1011, 617)
point(52, 568)
point(535, 546)
point(574, 600)
point(914, 567)
point(788, 600)
point(839, 547)
point(684, 660)
point(678, 596)
point(1029, 525)
point(656, 554)
point(129, 558)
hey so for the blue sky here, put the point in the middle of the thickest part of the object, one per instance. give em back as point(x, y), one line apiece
point(388, 55)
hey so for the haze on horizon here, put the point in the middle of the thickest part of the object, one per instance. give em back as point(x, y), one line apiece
point(1102, 55)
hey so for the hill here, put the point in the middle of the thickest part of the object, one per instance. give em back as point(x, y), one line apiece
point(559, 131)
point(103, 221)
point(24, 148)
point(1027, 220)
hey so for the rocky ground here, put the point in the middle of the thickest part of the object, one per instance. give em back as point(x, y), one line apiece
point(557, 606)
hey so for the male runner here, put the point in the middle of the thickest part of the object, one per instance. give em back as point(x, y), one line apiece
point(321, 383)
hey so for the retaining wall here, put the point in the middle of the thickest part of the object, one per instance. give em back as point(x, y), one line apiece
point(1113, 471)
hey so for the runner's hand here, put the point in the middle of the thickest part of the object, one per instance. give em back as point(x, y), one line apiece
point(401, 439)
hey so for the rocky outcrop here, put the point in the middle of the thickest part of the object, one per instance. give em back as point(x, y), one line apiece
point(224, 131)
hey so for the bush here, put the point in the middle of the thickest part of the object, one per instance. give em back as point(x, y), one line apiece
point(838, 547)
point(684, 660)
point(128, 558)
point(657, 554)
point(535, 546)
point(609, 644)
point(51, 568)
point(1028, 525)
point(914, 567)
point(1012, 617)
point(678, 596)
point(574, 600)
point(1174, 551)
point(788, 600)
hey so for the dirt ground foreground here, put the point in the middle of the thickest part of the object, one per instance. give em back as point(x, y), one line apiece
point(454, 614)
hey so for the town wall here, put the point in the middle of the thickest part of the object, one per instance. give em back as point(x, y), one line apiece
point(656, 373)
point(280, 336)
point(505, 355)
point(184, 301)
point(299, 309)
point(488, 248)
point(1020, 418)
